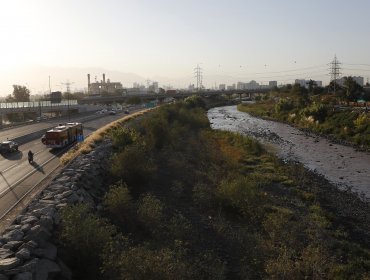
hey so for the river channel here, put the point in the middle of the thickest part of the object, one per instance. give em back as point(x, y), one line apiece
point(342, 165)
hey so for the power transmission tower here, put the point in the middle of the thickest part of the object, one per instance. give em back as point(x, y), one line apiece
point(198, 75)
point(68, 88)
point(335, 71)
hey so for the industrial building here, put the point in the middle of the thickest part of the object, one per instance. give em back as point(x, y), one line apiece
point(103, 86)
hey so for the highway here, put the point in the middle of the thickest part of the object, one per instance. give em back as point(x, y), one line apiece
point(18, 177)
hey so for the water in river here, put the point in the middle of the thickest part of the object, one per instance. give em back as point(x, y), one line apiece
point(340, 164)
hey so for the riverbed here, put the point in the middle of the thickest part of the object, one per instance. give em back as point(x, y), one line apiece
point(342, 165)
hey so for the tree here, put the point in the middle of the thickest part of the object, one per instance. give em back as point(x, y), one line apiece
point(20, 94)
point(353, 90)
point(311, 85)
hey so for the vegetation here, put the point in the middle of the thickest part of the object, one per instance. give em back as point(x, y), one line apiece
point(317, 113)
point(188, 202)
point(20, 94)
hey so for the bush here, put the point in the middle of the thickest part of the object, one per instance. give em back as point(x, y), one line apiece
point(150, 212)
point(137, 263)
point(84, 237)
point(121, 137)
point(284, 105)
point(133, 166)
point(195, 101)
point(243, 196)
point(317, 111)
point(118, 203)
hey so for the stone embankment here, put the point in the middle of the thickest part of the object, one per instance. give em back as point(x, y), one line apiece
point(26, 248)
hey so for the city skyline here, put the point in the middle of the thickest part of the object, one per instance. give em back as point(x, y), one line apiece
point(232, 41)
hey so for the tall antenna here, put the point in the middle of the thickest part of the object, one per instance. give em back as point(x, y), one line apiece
point(335, 71)
point(198, 75)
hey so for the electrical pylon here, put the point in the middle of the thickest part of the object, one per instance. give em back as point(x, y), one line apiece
point(334, 71)
point(198, 75)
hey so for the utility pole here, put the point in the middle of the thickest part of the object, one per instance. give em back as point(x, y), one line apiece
point(334, 71)
point(198, 75)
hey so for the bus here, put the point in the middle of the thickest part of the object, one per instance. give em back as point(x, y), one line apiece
point(63, 135)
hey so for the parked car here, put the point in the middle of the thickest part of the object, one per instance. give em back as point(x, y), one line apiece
point(8, 146)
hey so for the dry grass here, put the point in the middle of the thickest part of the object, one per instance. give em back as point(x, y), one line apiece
point(97, 137)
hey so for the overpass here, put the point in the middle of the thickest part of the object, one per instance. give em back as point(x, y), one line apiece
point(176, 95)
point(37, 108)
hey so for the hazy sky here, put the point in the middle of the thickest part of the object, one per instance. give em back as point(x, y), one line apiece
point(165, 40)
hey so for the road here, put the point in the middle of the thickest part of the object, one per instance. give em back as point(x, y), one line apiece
point(18, 177)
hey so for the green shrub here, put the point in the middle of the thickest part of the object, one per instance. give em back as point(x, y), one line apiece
point(284, 105)
point(137, 263)
point(84, 237)
point(121, 137)
point(119, 203)
point(242, 195)
point(133, 166)
point(195, 101)
point(150, 212)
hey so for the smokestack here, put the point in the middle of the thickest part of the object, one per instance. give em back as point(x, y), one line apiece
point(103, 78)
point(88, 83)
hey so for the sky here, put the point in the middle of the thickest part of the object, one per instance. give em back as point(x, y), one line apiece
point(164, 40)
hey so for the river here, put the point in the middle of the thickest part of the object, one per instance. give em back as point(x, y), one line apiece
point(342, 165)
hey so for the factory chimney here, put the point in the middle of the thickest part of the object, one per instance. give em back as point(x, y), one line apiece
point(88, 83)
point(103, 78)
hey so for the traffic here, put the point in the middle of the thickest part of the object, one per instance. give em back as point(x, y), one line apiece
point(29, 159)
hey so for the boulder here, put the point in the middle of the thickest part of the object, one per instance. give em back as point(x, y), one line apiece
point(13, 245)
point(46, 269)
point(49, 251)
point(23, 254)
point(23, 276)
point(6, 253)
point(9, 263)
point(13, 235)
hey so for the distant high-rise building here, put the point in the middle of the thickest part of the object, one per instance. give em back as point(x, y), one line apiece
point(305, 83)
point(272, 84)
point(357, 79)
point(222, 87)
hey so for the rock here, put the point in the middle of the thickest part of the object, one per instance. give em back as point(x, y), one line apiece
point(9, 263)
point(6, 253)
point(13, 235)
point(46, 222)
point(13, 245)
point(28, 220)
point(23, 276)
point(26, 227)
point(3, 277)
point(23, 254)
point(48, 252)
point(38, 234)
point(47, 211)
point(46, 269)
point(30, 245)
point(29, 266)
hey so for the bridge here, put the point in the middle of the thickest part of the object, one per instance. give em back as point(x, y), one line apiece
point(176, 95)
point(37, 108)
